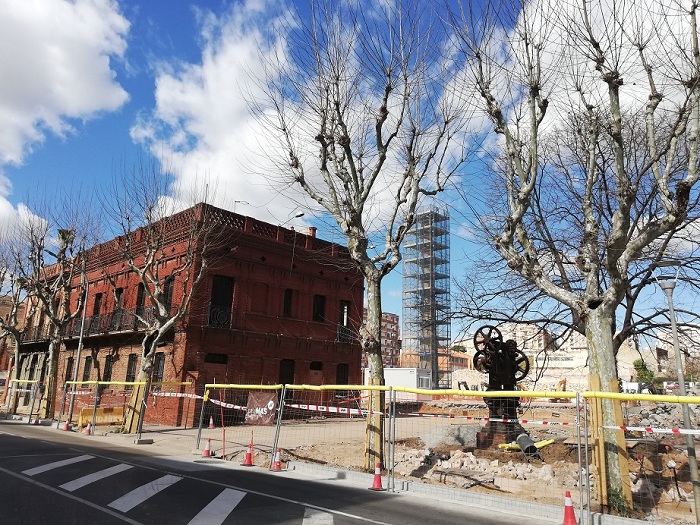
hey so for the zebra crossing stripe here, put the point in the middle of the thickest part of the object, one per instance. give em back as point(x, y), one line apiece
point(139, 495)
point(219, 508)
point(56, 464)
point(316, 517)
point(95, 476)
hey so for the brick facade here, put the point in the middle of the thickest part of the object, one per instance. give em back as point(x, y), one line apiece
point(275, 306)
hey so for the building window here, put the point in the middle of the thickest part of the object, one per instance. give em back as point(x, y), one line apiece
point(97, 306)
point(167, 298)
point(140, 299)
point(69, 369)
point(94, 325)
point(344, 331)
point(287, 305)
point(218, 359)
point(158, 367)
point(316, 365)
point(221, 301)
point(342, 374)
point(118, 294)
point(87, 370)
point(107, 373)
point(319, 308)
point(131, 370)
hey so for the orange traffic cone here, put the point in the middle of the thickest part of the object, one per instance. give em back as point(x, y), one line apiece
point(88, 429)
point(277, 463)
point(377, 485)
point(248, 460)
point(66, 426)
point(569, 516)
point(36, 420)
point(211, 422)
point(206, 453)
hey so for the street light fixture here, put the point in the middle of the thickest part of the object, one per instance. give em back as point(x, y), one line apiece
point(238, 202)
point(667, 284)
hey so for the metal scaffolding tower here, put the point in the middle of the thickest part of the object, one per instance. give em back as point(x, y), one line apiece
point(426, 294)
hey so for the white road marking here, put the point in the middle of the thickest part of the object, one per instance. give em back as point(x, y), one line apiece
point(139, 495)
point(95, 476)
point(71, 497)
point(316, 517)
point(219, 508)
point(56, 464)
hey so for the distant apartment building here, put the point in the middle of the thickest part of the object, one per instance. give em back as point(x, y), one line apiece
point(390, 339)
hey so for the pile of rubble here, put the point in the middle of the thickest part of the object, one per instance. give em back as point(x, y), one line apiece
point(661, 415)
point(464, 469)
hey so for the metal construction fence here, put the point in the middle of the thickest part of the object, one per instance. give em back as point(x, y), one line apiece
point(431, 437)
point(446, 438)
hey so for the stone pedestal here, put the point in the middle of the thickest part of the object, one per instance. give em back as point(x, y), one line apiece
point(496, 431)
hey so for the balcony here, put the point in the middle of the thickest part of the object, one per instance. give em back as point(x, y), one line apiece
point(220, 317)
point(35, 334)
point(344, 334)
point(121, 320)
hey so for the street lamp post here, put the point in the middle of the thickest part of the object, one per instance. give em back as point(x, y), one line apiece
point(668, 284)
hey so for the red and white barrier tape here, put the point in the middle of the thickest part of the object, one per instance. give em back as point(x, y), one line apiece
point(653, 430)
point(227, 405)
point(471, 418)
point(332, 409)
point(176, 394)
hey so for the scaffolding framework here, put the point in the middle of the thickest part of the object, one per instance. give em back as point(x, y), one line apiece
point(426, 294)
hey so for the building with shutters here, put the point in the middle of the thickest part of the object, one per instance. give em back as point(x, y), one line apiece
point(275, 306)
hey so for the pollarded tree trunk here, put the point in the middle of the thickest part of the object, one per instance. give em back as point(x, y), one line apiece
point(602, 363)
point(372, 345)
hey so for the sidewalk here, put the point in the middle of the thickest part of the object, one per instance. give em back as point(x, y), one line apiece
point(171, 444)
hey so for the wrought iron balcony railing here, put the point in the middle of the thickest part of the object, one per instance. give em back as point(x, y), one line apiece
point(344, 334)
point(219, 317)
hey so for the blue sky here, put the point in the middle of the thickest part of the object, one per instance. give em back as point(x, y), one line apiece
point(86, 86)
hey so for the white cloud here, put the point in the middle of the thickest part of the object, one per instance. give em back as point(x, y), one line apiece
point(55, 59)
point(55, 63)
point(202, 126)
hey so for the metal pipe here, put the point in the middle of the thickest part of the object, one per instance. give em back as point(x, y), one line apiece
point(667, 285)
point(76, 365)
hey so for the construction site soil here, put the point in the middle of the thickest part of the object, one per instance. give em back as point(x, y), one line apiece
point(660, 493)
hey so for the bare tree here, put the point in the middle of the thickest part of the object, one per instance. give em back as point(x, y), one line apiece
point(368, 119)
point(47, 259)
point(596, 109)
point(15, 296)
point(148, 221)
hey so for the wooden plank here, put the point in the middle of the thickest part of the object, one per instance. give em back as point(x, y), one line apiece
point(600, 489)
point(623, 456)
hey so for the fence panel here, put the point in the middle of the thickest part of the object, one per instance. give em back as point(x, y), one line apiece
point(325, 425)
point(237, 420)
point(658, 456)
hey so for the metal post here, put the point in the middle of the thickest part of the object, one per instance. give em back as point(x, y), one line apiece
point(578, 449)
point(76, 365)
point(589, 517)
point(201, 419)
point(278, 426)
point(391, 482)
point(667, 285)
point(94, 408)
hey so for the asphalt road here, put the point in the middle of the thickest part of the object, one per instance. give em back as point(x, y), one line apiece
point(61, 478)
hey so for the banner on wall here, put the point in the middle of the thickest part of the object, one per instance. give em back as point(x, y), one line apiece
point(261, 408)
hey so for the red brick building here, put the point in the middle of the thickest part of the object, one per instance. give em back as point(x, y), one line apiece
point(275, 306)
